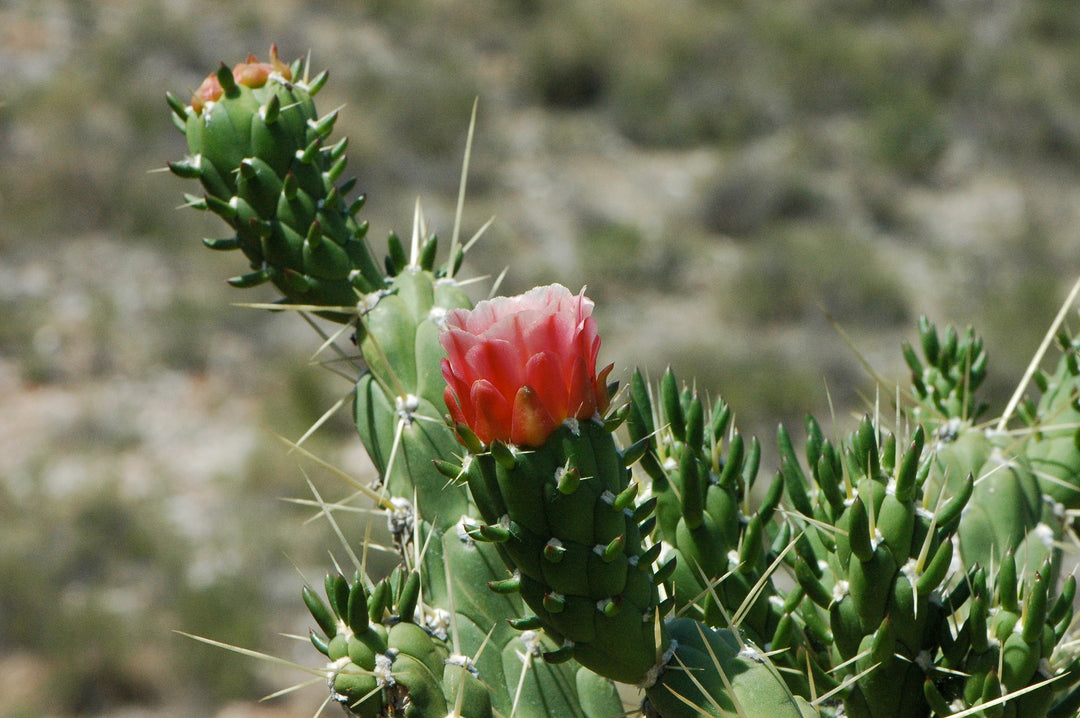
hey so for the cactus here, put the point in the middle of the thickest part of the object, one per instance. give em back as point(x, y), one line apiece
point(555, 493)
point(260, 151)
point(701, 478)
point(381, 661)
point(556, 535)
point(1054, 448)
point(1002, 466)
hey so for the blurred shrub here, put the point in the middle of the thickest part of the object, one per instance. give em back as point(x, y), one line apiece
point(800, 269)
point(754, 192)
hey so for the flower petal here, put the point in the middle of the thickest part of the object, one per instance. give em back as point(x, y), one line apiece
point(459, 389)
point(517, 367)
point(531, 424)
point(551, 332)
point(582, 400)
point(493, 412)
point(498, 362)
point(457, 343)
point(457, 415)
point(545, 374)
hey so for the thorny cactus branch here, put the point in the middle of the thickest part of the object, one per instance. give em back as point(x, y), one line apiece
point(555, 537)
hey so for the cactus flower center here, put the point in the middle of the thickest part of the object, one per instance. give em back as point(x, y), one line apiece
point(518, 367)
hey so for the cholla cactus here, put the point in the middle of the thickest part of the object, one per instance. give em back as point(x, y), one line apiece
point(1011, 508)
point(1054, 449)
point(555, 491)
point(383, 661)
point(555, 536)
point(260, 151)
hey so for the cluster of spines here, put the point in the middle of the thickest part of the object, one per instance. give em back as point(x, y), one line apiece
point(893, 631)
point(870, 559)
point(1017, 476)
point(1008, 643)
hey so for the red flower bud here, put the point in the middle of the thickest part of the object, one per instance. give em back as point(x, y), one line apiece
point(517, 367)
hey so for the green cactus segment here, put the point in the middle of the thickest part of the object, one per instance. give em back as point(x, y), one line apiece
point(1054, 447)
point(383, 663)
point(455, 570)
point(715, 673)
point(1013, 478)
point(1006, 511)
point(701, 472)
point(263, 158)
point(885, 621)
point(400, 341)
point(946, 378)
point(1009, 643)
point(577, 554)
point(398, 405)
point(403, 440)
point(873, 581)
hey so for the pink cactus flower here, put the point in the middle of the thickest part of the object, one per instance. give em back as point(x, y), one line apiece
point(518, 367)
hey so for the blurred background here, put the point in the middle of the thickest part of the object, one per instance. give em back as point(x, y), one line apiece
point(723, 176)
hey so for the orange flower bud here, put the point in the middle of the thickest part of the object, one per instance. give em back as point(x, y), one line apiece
point(250, 73)
point(253, 73)
point(209, 91)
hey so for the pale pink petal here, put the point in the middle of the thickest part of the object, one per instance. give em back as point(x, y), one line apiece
point(456, 318)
